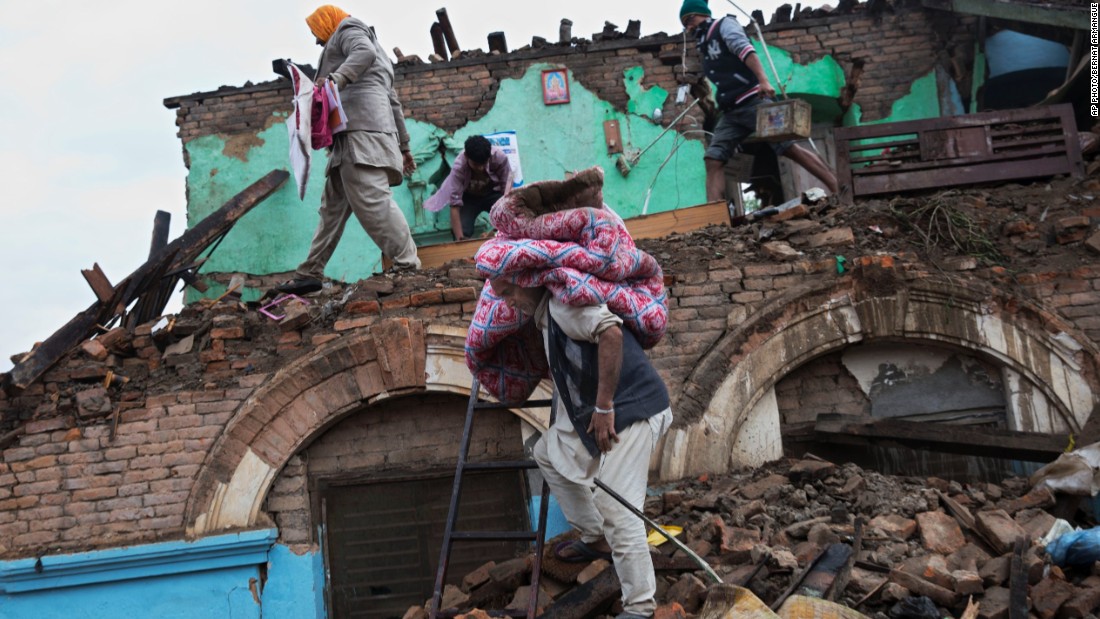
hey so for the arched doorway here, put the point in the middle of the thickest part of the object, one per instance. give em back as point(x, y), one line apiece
point(728, 412)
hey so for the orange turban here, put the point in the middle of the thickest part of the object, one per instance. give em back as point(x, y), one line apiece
point(324, 21)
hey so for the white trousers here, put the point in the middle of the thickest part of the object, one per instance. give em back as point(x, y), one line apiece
point(594, 513)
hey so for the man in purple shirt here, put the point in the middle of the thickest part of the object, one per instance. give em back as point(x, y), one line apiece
point(480, 176)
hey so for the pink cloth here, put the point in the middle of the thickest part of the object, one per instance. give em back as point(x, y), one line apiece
point(583, 255)
point(320, 131)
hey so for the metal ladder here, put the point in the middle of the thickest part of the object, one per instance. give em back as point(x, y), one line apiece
point(451, 536)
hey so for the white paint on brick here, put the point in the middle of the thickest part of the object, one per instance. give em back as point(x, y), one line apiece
point(237, 504)
point(1046, 390)
point(759, 440)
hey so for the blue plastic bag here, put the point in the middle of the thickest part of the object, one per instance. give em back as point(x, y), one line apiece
point(1076, 548)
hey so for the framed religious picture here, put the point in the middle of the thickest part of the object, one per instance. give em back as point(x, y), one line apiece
point(555, 86)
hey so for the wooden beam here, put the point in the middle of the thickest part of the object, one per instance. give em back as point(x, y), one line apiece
point(161, 223)
point(678, 221)
point(586, 600)
point(448, 32)
point(1017, 581)
point(1031, 446)
point(101, 286)
point(439, 43)
point(183, 250)
point(1046, 14)
point(644, 227)
point(434, 256)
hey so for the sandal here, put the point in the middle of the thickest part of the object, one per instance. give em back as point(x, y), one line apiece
point(583, 552)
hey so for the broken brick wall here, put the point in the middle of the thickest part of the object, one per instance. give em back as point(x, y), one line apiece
point(822, 386)
point(77, 478)
point(448, 95)
point(407, 436)
point(894, 49)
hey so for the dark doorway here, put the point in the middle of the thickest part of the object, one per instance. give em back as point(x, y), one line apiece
point(382, 538)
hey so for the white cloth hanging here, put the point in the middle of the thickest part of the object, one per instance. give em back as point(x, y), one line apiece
point(299, 126)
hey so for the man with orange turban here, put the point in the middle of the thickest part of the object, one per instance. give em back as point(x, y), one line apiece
point(366, 159)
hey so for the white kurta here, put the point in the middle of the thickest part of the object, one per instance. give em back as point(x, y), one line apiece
point(569, 469)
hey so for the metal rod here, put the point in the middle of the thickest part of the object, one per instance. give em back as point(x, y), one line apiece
point(637, 512)
point(779, 83)
point(634, 159)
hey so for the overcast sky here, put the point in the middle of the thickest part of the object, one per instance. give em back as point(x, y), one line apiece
point(89, 153)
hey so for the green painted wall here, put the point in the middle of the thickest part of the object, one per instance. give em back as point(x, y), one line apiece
point(553, 140)
point(819, 83)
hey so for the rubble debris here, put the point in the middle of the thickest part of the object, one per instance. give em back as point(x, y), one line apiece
point(913, 553)
point(167, 264)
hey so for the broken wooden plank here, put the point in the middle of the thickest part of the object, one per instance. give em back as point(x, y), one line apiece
point(99, 283)
point(840, 584)
point(1030, 446)
point(1062, 16)
point(588, 599)
point(448, 32)
point(1017, 582)
point(10, 437)
point(162, 221)
point(184, 249)
point(795, 582)
point(643, 227)
point(957, 150)
point(920, 586)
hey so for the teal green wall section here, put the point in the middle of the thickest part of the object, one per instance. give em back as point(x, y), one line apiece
point(642, 100)
point(921, 102)
point(977, 77)
point(819, 82)
point(275, 235)
point(553, 141)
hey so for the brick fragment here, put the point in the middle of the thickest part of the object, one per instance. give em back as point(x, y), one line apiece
point(1085, 601)
point(1093, 243)
point(994, 604)
point(1001, 530)
point(94, 349)
point(834, 237)
point(93, 402)
point(939, 532)
point(227, 333)
point(760, 487)
point(1049, 595)
point(688, 592)
point(1017, 227)
point(896, 526)
point(522, 599)
point(477, 577)
point(362, 307)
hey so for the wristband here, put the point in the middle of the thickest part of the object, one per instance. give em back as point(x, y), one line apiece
point(604, 411)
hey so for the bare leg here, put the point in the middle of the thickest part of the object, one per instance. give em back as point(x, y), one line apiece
point(716, 180)
point(812, 162)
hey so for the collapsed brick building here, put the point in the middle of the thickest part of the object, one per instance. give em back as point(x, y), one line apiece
point(224, 444)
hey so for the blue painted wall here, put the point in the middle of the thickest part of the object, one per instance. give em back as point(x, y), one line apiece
point(216, 576)
point(295, 585)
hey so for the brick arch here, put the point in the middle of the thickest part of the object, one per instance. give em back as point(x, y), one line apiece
point(811, 321)
point(300, 401)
